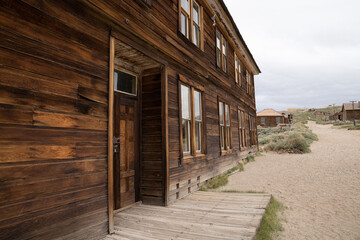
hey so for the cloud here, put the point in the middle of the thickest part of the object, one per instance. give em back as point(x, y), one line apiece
point(308, 51)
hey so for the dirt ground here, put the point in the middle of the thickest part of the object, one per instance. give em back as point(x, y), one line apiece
point(321, 189)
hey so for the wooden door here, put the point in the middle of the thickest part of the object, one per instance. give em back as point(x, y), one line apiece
point(125, 149)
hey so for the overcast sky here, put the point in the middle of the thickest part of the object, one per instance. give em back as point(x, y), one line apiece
point(308, 50)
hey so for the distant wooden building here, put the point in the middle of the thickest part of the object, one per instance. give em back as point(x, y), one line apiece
point(106, 103)
point(288, 117)
point(336, 117)
point(351, 111)
point(269, 118)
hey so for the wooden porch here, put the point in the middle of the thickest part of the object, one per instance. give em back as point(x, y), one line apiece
point(201, 215)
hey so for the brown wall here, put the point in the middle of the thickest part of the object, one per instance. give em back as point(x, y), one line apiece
point(270, 121)
point(54, 59)
point(53, 120)
point(350, 114)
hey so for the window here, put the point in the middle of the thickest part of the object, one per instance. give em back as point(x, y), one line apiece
point(252, 131)
point(196, 24)
point(125, 83)
point(185, 16)
point(241, 120)
point(225, 126)
point(221, 45)
point(190, 20)
point(262, 120)
point(237, 70)
point(277, 120)
point(198, 120)
point(247, 76)
point(191, 120)
point(185, 115)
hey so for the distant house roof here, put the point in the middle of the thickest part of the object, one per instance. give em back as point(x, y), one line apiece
point(349, 106)
point(269, 113)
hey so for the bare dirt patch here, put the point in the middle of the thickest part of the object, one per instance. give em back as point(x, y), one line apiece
point(321, 189)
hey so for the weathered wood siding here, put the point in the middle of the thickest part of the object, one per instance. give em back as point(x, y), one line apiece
point(270, 121)
point(350, 115)
point(54, 58)
point(152, 186)
point(53, 121)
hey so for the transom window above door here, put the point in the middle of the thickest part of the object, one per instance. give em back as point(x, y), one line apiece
point(125, 82)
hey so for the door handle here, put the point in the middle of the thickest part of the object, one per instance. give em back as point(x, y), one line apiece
point(116, 142)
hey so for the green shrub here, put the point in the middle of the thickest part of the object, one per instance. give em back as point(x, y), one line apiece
point(218, 181)
point(294, 139)
point(271, 222)
point(296, 143)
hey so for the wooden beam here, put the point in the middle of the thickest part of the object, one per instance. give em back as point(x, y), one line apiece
point(110, 137)
point(165, 131)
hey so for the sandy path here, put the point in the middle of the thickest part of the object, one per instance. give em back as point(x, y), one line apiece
point(321, 189)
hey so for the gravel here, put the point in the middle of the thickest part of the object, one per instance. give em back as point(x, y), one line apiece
point(321, 189)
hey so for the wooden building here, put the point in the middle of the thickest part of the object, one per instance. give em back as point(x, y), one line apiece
point(350, 111)
point(337, 116)
point(269, 118)
point(288, 117)
point(106, 103)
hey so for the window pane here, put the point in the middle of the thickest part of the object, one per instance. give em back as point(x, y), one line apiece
point(185, 102)
point(185, 5)
point(224, 47)
point(277, 120)
point(218, 43)
point(224, 63)
point(196, 14)
point(186, 135)
point(197, 103)
point(222, 134)
point(198, 136)
point(184, 24)
point(227, 112)
point(262, 120)
point(221, 113)
point(239, 118)
point(218, 57)
point(228, 137)
point(124, 82)
point(196, 33)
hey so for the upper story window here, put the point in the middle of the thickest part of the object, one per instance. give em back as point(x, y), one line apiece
point(237, 70)
point(190, 20)
point(191, 120)
point(221, 46)
point(248, 81)
point(225, 129)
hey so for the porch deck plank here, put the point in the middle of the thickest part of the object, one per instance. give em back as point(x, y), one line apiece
point(201, 215)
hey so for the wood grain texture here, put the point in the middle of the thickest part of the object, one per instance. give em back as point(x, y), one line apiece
point(56, 84)
point(203, 215)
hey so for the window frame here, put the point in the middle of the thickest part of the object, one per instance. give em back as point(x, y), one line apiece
point(276, 119)
point(221, 59)
point(238, 72)
point(252, 130)
point(192, 137)
point(190, 22)
point(241, 129)
point(225, 146)
point(130, 73)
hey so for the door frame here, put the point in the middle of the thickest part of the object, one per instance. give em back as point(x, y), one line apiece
point(114, 35)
